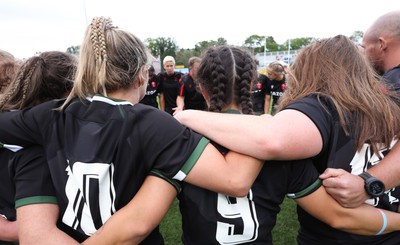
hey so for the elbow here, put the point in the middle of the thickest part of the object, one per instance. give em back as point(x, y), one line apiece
point(268, 149)
point(341, 222)
point(131, 234)
point(239, 187)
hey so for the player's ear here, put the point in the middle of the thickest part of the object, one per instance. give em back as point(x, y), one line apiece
point(143, 76)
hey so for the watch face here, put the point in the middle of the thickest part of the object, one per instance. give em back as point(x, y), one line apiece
point(376, 188)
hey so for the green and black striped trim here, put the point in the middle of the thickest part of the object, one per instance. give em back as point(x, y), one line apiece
point(310, 189)
point(161, 175)
point(195, 155)
point(35, 200)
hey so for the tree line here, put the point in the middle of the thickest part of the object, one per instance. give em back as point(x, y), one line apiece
point(163, 46)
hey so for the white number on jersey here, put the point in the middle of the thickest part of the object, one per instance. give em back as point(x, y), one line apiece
point(91, 195)
point(244, 209)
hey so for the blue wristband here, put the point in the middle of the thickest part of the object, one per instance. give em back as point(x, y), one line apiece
point(384, 222)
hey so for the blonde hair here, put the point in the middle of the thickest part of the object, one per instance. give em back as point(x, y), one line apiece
point(334, 68)
point(110, 59)
point(168, 58)
point(277, 67)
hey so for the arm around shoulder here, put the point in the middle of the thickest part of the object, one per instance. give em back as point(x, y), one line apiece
point(134, 222)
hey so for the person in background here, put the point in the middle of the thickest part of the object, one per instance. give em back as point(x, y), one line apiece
point(41, 78)
point(152, 90)
point(258, 93)
point(275, 86)
point(381, 43)
point(188, 95)
point(169, 83)
point(333, 112)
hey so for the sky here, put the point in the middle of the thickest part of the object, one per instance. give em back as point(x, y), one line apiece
point(31, 26)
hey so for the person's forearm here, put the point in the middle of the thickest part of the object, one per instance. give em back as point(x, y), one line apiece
point(162, 102)
point(388, 170)
point(37, 225)
point(136, 220)
point(8, 230)
point(219, 127)
point(266, 104)
point(180, 102)
point(263, 137)
point(363, 220)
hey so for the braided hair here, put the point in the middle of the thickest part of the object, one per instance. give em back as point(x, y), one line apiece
point(44, 77)
point(226, 73)
point(110, 59)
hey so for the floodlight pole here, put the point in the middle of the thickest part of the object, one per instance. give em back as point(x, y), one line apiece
point(265, 54)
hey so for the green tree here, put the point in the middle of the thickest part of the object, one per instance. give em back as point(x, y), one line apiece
point(162, 47)
point(73, 50)
point(357, 36)
point(298, 43)
point(257, 43)
point(200, 47)
point(183, 55)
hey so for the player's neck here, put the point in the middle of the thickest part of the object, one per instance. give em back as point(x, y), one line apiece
point(131, 95)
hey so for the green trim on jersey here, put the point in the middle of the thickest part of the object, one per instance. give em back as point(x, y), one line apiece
point(161, 175)
point(35, 200)
point(232, 111)
point(121, 111)
point(189, 164)
point(307, 191)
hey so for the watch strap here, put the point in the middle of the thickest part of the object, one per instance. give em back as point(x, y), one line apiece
point(365, 176)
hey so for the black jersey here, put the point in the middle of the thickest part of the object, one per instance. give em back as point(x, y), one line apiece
point(214, 218)
point(152, 91)
point(339, 151)
point(30, 173)
point(275, 89)
point(392, 79)
point(100, 151)
point(7, 190)
point(169, 87)
point(258, 92)
point(193, 98)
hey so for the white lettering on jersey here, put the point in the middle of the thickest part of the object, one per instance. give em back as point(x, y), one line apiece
point(365, 159)
point(91, 195)
point(244, 209)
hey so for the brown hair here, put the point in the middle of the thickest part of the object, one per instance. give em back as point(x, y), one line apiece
point(9, 66)
point(334, 68)
point(226, 74)
point(44, 77)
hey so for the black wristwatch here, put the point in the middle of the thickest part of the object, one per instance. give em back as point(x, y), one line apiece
point(373, 186)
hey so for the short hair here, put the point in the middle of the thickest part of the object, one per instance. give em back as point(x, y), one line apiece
point(150, 68)
point(168, 58)
point(277, 67)
point(193, 60)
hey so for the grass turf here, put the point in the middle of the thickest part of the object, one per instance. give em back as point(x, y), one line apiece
point(284, 232)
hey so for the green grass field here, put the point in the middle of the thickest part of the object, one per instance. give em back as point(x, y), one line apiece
point(284, 232)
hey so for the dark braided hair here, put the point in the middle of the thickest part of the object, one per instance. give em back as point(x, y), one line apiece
point(226, 73)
